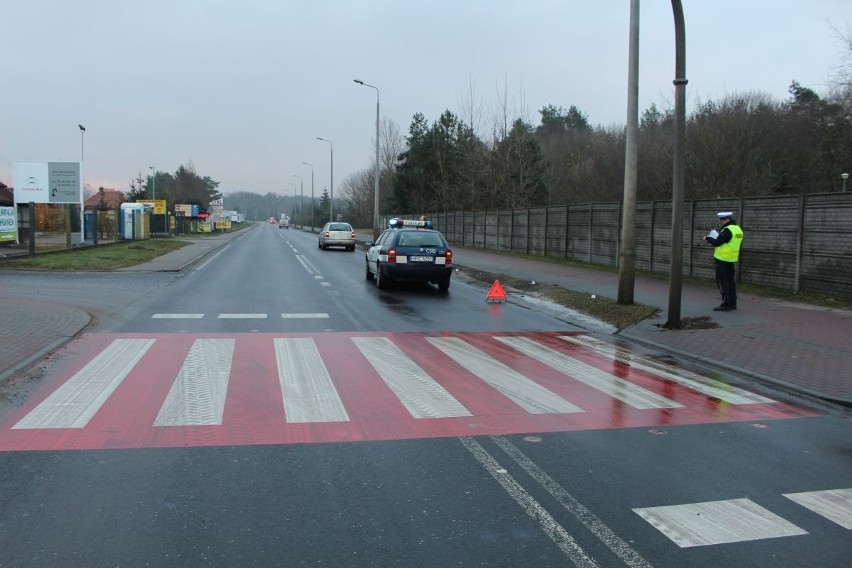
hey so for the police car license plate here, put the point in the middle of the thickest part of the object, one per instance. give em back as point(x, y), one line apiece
point(421, 259)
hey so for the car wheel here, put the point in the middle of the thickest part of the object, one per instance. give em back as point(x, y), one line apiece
point(381, 281)
point(368, 273)
point(444, 284)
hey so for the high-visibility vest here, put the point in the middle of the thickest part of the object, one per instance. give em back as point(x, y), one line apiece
point(730, 251)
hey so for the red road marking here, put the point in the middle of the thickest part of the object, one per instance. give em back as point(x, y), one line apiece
point(254, 411)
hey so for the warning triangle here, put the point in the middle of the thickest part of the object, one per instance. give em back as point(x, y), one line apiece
point(496, 294)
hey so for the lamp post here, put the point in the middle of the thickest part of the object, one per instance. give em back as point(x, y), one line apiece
point(82, 130)
point(312, 194)
point(154, 189)
point(845, 176)
point(153, 183)
point(376, 191)
point(293, 210)
point(678, 173)
point(82, 192)
point(301, 200)
point(330, 201)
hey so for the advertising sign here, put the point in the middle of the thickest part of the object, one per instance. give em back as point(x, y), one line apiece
point(183, 210)
point(8, 224)
point(48, 182)
point(159, 205)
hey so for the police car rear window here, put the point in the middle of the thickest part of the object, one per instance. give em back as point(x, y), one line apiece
point(419, 239)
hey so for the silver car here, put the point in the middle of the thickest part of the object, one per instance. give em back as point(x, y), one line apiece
point(337, 235)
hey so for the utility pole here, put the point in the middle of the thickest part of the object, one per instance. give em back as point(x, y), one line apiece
point(627, 257)
point(678, 175)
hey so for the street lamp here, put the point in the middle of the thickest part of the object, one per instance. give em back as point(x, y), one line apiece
point(301, 199)
point(153, 183)
point(82, 190)
point(376, 192)
point(845, 176)
point(154, 192)
point(312, 194)
point(330, 201)
point(293, 209)
point(82, 130)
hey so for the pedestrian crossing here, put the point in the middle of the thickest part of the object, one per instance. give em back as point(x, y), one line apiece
point(741, 520)
point(163, 390)
point(178, 316)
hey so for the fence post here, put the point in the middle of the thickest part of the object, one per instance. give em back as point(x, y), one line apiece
point(565, 236)
point(512, 231)
point(32, 227)
point(691, 236)
point(591, 218)
point(800, 244)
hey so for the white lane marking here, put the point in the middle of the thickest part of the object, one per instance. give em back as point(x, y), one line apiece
point(597, 527)
point(75, 403)
point(304, 264)
point(305, 316)
point(531, 507)
point(833, 504)
point(242, 316)
point(209, 260)
point(616, 387)
point(325, 283)
point(197, 396)
point(694, 381)
point(528, 394)
point(717, 522)
point(309, 394)
point(418, 392)
point(177, 316)
point(311, 265)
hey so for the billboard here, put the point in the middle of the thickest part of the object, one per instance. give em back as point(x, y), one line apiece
point(48, 182)
point(159, 205)
point(8, 224)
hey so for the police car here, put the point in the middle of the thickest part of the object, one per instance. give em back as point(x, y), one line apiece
point(410, 250)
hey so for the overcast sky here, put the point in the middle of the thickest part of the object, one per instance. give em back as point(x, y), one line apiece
point(242, 89)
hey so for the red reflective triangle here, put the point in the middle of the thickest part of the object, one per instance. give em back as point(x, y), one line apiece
point(496, 292)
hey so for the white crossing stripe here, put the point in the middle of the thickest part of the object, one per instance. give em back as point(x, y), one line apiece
point(304, 316)
point(717, 522)
point(75, 403)
point(177, 316)
point(528, 394)
point(834, 504)
point(309, 394)
point(616, 387)
point(694, 381)
point(197, 397)
point(242, 316)
point(418, 392)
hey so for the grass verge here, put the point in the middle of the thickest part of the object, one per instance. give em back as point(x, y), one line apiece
point(599, 307)
point(104, 257)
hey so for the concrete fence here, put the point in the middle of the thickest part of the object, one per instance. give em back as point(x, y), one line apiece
point(797, 242)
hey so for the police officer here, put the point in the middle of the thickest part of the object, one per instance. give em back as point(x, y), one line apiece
point(727, 245)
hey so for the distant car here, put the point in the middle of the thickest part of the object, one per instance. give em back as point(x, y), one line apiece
point(272, 220)
point(284, 223)
point(337, 235)
point(410, 250)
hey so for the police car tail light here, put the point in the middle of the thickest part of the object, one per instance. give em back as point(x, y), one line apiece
point(392, 255)
point(449, 257)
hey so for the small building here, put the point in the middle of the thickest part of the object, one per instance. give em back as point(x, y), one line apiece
point(7, 199)
point(106, 200)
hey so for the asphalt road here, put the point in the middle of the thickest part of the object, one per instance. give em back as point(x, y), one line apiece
point(178, 432)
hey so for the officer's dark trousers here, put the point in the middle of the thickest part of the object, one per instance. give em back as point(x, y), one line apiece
point(726, 278)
